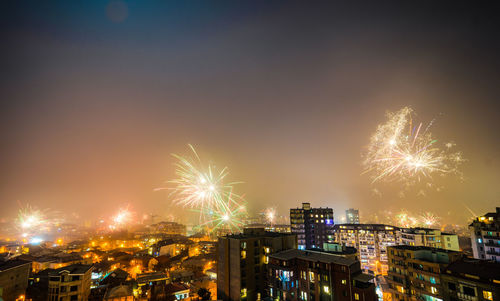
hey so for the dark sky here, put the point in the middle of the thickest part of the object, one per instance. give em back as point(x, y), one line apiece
point(96, 95)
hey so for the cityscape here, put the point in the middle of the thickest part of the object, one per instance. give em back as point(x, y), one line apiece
point(253, 150)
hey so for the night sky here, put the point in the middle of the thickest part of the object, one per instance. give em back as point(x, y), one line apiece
point(96, 95)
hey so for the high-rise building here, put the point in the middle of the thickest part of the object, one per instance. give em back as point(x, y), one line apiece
point(313, 275)
point(313, 226)
point(414, 272)
point(471, 279)
point(371, 241)
point(352, 216)
point(70, 283)
point(242, 262)
point(14, 276)
point(429, 238)
point(485, 236)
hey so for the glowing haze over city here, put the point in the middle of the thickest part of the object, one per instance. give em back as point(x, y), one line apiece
point(210, 113)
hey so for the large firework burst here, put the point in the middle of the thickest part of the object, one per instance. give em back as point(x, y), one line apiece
point(202, 187)
point(406, 152)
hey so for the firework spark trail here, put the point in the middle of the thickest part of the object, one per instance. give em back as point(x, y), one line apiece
point(202, 188)
point(270, 215)
point(121, 219)
point(395, 156)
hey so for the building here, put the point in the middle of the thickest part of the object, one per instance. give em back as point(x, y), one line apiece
point(471, 279)
point(341, 250)
point(352, 216)
point(14, 275)
point(414, 272)
point(70, 283)
point(177, 291)
point(242, 262)
point(429, 238)
point(312, 275)
point(485, 236)
point(313, 226)
point(371, 241)
point(171, 228)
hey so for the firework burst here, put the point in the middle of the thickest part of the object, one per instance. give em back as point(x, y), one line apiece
point(121, 219)
point(406, 152)
point(202, 187)
point(270, 215)
point(30, 218)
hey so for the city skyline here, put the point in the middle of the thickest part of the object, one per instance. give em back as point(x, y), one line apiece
point(98, 96)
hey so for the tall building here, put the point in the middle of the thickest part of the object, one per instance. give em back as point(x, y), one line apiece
point(352, 216)
point(485, 236)
point(429, 238)
point(70, 283)
point(313, 226)
point(471, 279)
point(371, 241)
point(14, 276)
point(414, 272)
point(242, 262)
point(312, 275)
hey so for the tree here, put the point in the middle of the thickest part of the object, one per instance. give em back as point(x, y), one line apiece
point(204, 294)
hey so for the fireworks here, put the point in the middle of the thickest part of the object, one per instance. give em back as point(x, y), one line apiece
point(428, 219)
point(202, 187)
point(406, 152)
point(30, 218)
point(122, 218)
point(270, 215)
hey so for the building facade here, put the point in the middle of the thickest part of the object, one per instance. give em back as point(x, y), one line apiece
point(352, 216)
point(313, 226)
point(242, 262)
point(429, 238)
point(414, 272)
point(14, 275)
point(70, 283)
point(485, 236)
point(312, 275)
point(471, 279)
point(371, 241)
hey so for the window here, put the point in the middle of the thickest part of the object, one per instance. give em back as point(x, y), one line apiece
point(356, 296)
point(469, 291)
point(243, 293)
point(487, 295)
point(244, 245)
point(326, 289)
point(344, 282)
point(311, 276)
point(75, 278)
point(73, 288)
point(432, 280)
point(243, 254)
point(433, 290)
point(452, 286)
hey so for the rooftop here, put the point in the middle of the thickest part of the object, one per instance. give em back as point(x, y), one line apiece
point(484, 269)
point(73, 269)
point(313, 256)
point(9, 264)
point(256, 233)
point(421, 248)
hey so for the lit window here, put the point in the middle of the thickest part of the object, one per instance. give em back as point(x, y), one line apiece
point(326, 289)
point(243, 293)
point(356, 296)
point(266, 259)
point(433, 290)
point(243, 254)
point(344, 282)
point(311, 276)
point(487, 295)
